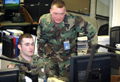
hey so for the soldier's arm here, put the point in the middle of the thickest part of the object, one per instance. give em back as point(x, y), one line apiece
point(92, 36)
point(88, 29)
point(40, 40)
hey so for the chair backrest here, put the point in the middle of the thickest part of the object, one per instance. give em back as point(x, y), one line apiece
point(26, 15)
point(103, 30)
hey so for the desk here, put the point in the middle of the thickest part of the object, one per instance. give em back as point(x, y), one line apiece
point(10, 24)
point(115, 78)
point(34, 28)
point(25, 26)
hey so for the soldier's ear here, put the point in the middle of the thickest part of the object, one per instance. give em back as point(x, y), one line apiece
point(50, 11)
point(19, 46)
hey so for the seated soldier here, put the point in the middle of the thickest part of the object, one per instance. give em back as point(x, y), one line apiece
point(27, 47)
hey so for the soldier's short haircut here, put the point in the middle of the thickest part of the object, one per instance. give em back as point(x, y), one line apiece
point(25, 35)
point(58, 3)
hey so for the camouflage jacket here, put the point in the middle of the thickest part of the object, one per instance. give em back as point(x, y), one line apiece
point(51, 38)
point(37, 67)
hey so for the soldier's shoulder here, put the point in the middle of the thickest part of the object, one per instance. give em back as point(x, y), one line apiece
point(45, 16)
point(37, 57)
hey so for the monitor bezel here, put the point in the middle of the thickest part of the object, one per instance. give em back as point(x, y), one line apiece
point(9, 75)
point(83, 58)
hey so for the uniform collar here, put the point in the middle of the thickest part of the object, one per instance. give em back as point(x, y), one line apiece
point(22, 59)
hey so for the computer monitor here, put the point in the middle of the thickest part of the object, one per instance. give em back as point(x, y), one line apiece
point(101, 68)
point(11, 4)
point(114, 36)
point(9, 75)
point(10, 8)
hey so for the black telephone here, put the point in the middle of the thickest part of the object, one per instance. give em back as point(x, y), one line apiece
point(17, 19)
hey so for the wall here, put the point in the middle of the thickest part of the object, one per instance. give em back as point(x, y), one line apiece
point(115, 13)
point(96, 22)
point(80, 6)
point(102, 7)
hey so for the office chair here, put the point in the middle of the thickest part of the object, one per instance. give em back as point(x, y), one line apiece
point(103, 30)
point(26, 15)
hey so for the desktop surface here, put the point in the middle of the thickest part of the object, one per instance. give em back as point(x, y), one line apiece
point(11, 24)
point(24, 26)
point(8, 23)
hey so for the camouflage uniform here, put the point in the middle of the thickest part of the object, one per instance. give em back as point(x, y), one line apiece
point(51, 39)
point(37, 64)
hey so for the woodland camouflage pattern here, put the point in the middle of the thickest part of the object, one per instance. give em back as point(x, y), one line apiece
point(36, 65)
point(51, 38)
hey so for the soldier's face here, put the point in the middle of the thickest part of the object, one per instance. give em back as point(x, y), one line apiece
point(27, 47)
point(57, 14)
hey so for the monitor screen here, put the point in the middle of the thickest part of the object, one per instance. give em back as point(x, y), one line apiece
point(100, 70)
point(9, 75)
point(11, 4)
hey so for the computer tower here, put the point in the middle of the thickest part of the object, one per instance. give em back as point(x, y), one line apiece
point(7, 48)
point(114, 36)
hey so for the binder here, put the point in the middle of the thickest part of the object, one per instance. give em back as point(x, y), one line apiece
point(10, 42)
point(11, 33)
point(6, 33)
point(14, 45)
point(15, 32)
point(16, 50)
point(2, 33)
